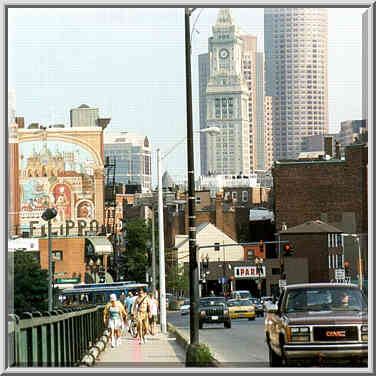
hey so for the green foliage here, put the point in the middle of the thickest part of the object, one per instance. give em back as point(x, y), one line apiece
point(136, 260)
point(177, 279)
point(30, 283)
point(199, 356)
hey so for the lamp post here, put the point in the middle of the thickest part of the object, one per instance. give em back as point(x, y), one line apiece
point(356, 237)
point(47, 215)
point(162, 286)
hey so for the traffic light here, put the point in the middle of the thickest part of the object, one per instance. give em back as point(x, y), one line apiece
point(216, 246)
point(288, 250)
point(346, 264)
point(261, 246)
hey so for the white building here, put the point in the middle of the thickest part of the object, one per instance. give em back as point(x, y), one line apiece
point(207, 234)
point(296, 53)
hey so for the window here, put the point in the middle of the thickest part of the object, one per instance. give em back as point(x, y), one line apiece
point(234, 195)
point(244, 196)
point(57, 255)
point(276, 271)
point(198, 200)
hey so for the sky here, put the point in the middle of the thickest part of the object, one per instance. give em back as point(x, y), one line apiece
point(130, 63)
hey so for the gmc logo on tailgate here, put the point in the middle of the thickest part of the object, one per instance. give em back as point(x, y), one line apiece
point(337, 333)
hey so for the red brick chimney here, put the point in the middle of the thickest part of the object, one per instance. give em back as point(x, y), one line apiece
point(219, 212)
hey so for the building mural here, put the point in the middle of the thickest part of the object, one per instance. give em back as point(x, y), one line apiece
point(56, 174)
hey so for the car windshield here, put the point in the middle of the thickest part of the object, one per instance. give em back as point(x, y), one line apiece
point(243, 303)
point(212, 301)
point(325, 299)
point(242, 295)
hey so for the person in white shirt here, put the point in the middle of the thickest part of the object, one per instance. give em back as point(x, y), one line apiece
point(154, 313)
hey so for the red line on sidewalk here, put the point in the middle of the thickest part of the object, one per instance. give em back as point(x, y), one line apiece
point(136, 351)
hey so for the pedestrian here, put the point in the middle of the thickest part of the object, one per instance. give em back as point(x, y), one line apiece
point(154, 313)
point(141, 310)
point(128, 305)
point(114, 316)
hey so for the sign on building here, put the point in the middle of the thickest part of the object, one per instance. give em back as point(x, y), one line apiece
point(282, 283)
point(340, 274)
point(248, 272)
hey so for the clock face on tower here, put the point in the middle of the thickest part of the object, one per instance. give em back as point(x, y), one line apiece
point(223, 53)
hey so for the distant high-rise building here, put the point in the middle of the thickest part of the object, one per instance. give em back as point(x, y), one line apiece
point(203, 78)
point(85, 116)
point(227, 100)
point(352, 130)
point(232, 95)
point(133, 158)
point(296, 53)
point(365, 65)
point(11, 106)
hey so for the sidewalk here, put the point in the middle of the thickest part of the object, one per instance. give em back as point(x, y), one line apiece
point(160, 350)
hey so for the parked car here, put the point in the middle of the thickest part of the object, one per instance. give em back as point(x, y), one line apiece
point(214, 310)
point(185, 308)
point(241, 308)
point(259, 307)
point(318, 323)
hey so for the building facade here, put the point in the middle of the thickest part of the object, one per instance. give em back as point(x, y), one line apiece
point(296, 51)
point(133, 158)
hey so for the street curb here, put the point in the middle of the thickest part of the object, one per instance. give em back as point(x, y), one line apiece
point(183, 341)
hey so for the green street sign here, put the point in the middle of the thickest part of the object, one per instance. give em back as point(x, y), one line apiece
point(68, 280)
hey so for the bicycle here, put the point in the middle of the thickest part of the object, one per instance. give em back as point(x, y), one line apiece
point(133, 327)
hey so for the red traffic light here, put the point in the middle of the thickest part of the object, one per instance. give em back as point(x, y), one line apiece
point(288, 249)
point(346, 264)
point(261, 246)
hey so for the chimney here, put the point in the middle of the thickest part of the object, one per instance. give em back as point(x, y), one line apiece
point(219, 212)
point(328, 146)
point(20, 122)
point(338, 150)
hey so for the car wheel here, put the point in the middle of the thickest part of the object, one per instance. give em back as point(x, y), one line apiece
point(274, 359)
point(252, 318)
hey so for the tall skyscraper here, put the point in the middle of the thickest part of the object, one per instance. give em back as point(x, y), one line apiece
point(133, 158)
point(296, 53)
point(203, 74)
point(365, 65)
point(227, 100)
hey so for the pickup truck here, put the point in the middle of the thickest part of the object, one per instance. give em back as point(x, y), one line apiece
point(317, 323)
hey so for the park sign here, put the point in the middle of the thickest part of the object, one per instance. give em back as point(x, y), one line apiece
point(248, 272)
point(68, 280)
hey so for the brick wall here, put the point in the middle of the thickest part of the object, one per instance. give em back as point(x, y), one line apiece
point(73, 255)
point(313, 247)
point(304, 191)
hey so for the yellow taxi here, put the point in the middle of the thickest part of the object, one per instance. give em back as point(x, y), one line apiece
point(241, 308)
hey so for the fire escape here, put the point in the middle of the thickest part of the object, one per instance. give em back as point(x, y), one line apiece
point(110, 213)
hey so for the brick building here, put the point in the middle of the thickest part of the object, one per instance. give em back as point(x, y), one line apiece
point(333, 191)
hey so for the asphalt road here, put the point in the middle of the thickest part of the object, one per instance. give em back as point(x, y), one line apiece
point(241, 346)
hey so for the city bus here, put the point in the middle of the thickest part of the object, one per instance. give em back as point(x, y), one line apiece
point(98, 293)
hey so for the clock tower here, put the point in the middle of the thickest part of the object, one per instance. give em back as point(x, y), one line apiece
point(227, 100)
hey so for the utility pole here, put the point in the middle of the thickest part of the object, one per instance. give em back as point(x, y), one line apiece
point(162, 282)
point(153, 249)
point(193, 262)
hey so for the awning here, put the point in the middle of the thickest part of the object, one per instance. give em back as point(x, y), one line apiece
point(102, 246)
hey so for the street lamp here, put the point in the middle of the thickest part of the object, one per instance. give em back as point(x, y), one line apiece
point(162, 283)
point(259, 263)
point(47, 215)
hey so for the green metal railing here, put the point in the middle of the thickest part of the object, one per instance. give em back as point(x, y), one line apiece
point(59, 338)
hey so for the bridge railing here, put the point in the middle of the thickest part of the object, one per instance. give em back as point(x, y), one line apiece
point(59, 338)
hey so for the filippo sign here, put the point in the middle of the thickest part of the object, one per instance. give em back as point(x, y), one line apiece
point(248, 272)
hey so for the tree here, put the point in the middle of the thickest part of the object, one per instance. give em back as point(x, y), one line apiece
point(30, 283)
point(134, 262)
point(177, 279)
